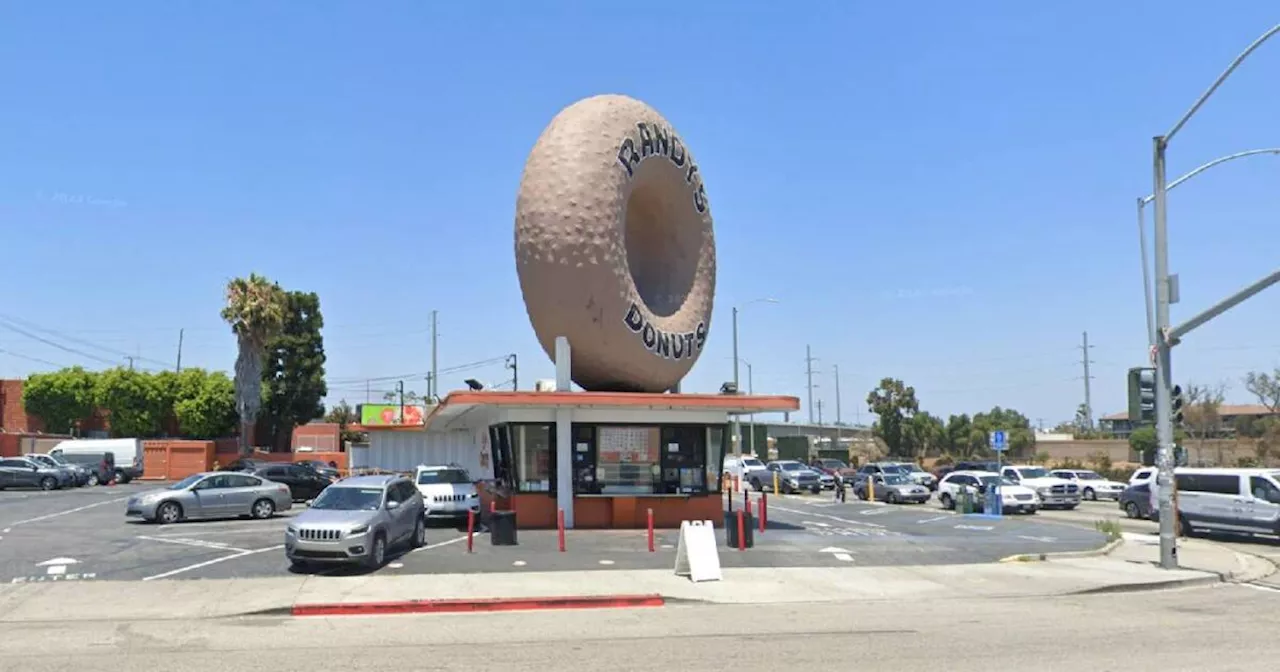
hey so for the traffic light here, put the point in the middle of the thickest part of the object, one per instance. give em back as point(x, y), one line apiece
point(1176, 402)
point(1142, 396)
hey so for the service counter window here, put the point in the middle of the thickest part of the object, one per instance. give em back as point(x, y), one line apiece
point(714, 457)
point(533, 456)
point(684, 455)
point(627, 459)
point(584, 460)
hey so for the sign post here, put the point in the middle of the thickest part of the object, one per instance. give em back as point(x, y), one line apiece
point(999, 443)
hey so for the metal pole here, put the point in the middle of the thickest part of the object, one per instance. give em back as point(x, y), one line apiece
point(808, 368)
point(434, 392)
point(751, 418)
point(1146, 275)
point(1164, 420)
point(737, 421)
point(178, 368)
point(1088, 400)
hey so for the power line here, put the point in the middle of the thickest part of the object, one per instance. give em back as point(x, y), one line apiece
point(52, 332)
point(57, 345)
point(32, 359)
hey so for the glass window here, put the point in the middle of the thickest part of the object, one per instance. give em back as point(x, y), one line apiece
point(348, 498)
point(628, 459)
point(584, 460)
point(715, 449)
point(1264, 489)
point(241, 481)
point(436, 476)
point(683, 455)
point(533, 451)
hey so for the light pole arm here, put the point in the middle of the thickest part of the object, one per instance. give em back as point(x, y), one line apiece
point(1218, 82)
point(1218, 161)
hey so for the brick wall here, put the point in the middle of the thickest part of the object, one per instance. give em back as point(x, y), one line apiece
point(13, 417)
point(321, 436)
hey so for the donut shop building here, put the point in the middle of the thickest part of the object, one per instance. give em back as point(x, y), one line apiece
point(605, 458)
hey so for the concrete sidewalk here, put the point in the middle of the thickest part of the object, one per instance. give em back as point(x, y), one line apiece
point(1130, 566)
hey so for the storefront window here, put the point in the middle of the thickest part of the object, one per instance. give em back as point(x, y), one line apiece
point(584, 460)
point(533, 449)
point(684, 460)
point(627, 459)
point(715, 457)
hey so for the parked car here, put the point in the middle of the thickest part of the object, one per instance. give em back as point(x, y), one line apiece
point(918, 475)
point(79, 474)
point(20, 472)
point(1135, 501)
point(211, 494)
point(1092, 485)
point(321, 467)
point(126, 454)
point(1014, 498)
point(1054, 492)
point(447, 491)
point(356, 521)
point(891, 488)
point(978, 465)
point(1142, 475)
point(101, 466)
point(793, 477)
point(245, 464)
point(744, 467)
point(305, 484)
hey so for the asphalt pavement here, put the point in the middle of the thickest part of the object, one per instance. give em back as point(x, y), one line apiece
point(82, 534)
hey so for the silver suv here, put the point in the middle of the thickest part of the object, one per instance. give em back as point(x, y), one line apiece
point(355, 521)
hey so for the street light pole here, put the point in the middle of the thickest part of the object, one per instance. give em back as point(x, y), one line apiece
point(751, 418)
point(737, 423)
point(1163, 344)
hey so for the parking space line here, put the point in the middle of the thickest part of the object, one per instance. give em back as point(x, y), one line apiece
point(443, 543)
point(824, 515)
point(214, 561)
point(215, 545)
point(63, 513)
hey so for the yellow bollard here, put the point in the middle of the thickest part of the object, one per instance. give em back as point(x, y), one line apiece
point(871, 489)
point(775, 483)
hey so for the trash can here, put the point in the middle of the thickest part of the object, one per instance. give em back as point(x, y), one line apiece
point(731, 529)
point(964, 503)
point(502, 528)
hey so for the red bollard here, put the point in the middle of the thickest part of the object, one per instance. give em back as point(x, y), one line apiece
point(493, 506)
point(742, 532)
point(650, 530)
point(560, 526)
point(471, 529)
point(735, 483)
point(764, 511)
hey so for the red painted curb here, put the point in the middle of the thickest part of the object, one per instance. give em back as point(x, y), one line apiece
point(478, 605)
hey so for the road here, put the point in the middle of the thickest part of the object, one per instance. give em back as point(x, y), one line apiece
point(1135, 632)
point(1087, 515)
point(82, 534)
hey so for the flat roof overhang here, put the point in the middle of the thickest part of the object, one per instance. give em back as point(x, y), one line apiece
point(457, 404)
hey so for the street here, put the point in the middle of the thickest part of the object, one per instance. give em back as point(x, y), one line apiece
point(1135, 632)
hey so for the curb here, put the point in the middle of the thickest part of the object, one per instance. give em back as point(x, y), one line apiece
point(478, 605)
point(1065, 555)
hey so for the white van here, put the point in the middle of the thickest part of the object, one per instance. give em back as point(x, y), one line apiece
point(127, 452)
point(742, 466)
point(1245, 501)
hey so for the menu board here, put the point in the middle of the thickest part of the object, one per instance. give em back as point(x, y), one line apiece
point(626, 445)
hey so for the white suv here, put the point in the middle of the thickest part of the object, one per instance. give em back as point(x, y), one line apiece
point(447, 491)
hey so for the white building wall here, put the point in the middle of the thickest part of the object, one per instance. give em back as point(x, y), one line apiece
point(402, 451)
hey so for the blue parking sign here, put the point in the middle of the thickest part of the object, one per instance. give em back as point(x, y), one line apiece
point(998, 442)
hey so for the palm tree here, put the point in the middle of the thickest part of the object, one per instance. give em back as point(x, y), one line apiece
point(255, 311)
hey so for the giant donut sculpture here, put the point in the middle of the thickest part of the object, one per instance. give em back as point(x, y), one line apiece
point(614, 246)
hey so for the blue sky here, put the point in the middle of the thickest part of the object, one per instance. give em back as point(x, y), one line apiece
point(937, 191)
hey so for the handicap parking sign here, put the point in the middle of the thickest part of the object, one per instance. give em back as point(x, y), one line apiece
point(998, 440)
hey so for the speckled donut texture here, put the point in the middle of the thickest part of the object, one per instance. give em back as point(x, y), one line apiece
point(600, 162)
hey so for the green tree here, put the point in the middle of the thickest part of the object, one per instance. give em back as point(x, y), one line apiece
point(958, 429)
point(61, 398)
point(255, 309)
point(924, 434)
point(293, 379)
point(133, 399)
point(1266, 387)
point(894, 403)
point(344, 416)
point(1143, 443)
point(206, 406)
point(1020, 437)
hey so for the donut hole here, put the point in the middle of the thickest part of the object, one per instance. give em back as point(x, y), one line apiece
point(663, 237)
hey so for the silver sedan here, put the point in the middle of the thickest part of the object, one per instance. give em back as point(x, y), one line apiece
point(211, 495)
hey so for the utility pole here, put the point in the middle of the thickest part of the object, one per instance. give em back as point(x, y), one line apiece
point(1088, 400)
point(751, 419)
point(819, 411)
point(513, 363)
point(178, 368)
point(808, 370)
point(837, 368)
point(130, 358)
point(400, 391)
point(368, 393)
point(433, 392)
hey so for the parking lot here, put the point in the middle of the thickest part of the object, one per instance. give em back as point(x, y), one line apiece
point(82, 534)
